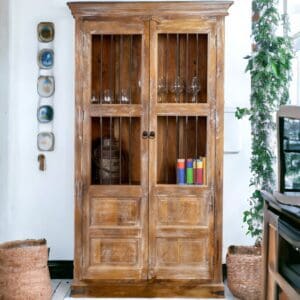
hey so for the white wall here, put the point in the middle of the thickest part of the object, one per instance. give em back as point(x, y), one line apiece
point(40, 204)
point(4, 96)
point(237, 93)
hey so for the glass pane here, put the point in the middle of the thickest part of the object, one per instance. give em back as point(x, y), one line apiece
point(182, 68)
point(292, 175)
point(116, 150)
point(291, 154)
point(291, 136)
point(181, 140)
point(116, 69)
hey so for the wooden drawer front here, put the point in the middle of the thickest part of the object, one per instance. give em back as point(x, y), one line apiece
point(182, 252)
point(115, 211)
point(182, 211)
point(114, 252)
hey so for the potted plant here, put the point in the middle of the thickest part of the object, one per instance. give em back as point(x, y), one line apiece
point(270, 69)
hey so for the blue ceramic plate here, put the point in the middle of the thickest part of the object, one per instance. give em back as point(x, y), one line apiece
point(45, 114)
point(46, 58)
point(45, 141)
point(45, 86)
point(45, 31)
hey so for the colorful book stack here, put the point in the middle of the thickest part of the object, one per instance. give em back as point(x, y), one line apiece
point(191, 171)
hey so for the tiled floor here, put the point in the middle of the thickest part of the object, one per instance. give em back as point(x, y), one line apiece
point(61, 290)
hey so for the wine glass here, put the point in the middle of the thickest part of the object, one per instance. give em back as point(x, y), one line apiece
point(94, 100)
point(124, 98)
point(161, 89)
point(194, 88)
point(178, 86)
point(107, 97)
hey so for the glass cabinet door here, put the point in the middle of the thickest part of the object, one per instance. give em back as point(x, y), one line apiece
point(182, 151)
point(115, 161)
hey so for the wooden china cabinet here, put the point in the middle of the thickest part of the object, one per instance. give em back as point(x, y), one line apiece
point(149, 91)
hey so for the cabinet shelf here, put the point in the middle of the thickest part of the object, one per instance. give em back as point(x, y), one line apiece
point(182, 109)
point(202, 186)
point(121, 110)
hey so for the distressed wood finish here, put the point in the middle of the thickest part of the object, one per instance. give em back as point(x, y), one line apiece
point(149, 238)
point(149, 289)
point(78, 152)
point(105, 245)
point(90, 10)
point(169, 247)
point(219, 146)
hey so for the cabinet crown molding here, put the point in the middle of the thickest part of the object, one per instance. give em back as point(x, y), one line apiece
point(141, 9)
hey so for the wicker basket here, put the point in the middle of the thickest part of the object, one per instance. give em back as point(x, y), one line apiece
point(24, 272)
point(244, 272)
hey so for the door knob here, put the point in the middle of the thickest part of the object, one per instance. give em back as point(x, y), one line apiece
point(145, 134)
point(151, 135)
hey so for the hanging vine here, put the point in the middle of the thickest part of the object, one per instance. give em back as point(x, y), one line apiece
point(270, 69)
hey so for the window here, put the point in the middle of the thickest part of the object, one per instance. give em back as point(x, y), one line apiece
point(293, 10)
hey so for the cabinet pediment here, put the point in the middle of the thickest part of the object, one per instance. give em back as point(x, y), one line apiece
point(149, 9)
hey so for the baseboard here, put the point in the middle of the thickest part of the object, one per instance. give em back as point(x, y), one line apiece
point(60, 269)
point(224, 270)
point(63, 269)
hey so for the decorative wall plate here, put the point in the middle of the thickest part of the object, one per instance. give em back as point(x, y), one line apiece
point(45, 114)
point(45, 86)
point(45, 141)
point(45, 32)
point(46, 58)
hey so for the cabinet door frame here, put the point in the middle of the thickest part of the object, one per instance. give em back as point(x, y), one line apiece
point(212, 110)
point(84, 188)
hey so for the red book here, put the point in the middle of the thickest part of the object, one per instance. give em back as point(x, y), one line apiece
point(199, 172)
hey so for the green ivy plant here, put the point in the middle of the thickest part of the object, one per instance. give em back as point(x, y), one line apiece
point(270, 69)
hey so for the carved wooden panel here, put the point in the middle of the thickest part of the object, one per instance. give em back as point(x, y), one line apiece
point(182, 211)
point(193, 251)
point(114, 211)
point(167, 251)
point(117, 252)
point(182, 251)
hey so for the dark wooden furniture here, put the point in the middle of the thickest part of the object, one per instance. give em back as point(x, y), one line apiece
point(281, 245)
point(149, 90)
point(278, 254)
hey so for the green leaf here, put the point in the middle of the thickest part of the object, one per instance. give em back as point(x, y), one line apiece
point(274, 68)
point(241, 112)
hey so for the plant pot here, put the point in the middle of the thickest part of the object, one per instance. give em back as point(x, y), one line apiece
point(24, 271)
point(244, 272)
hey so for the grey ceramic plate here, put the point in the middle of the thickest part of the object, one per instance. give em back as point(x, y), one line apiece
point(46, 86)
point(46, 58)
point(45, 141)
point(45, 31)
